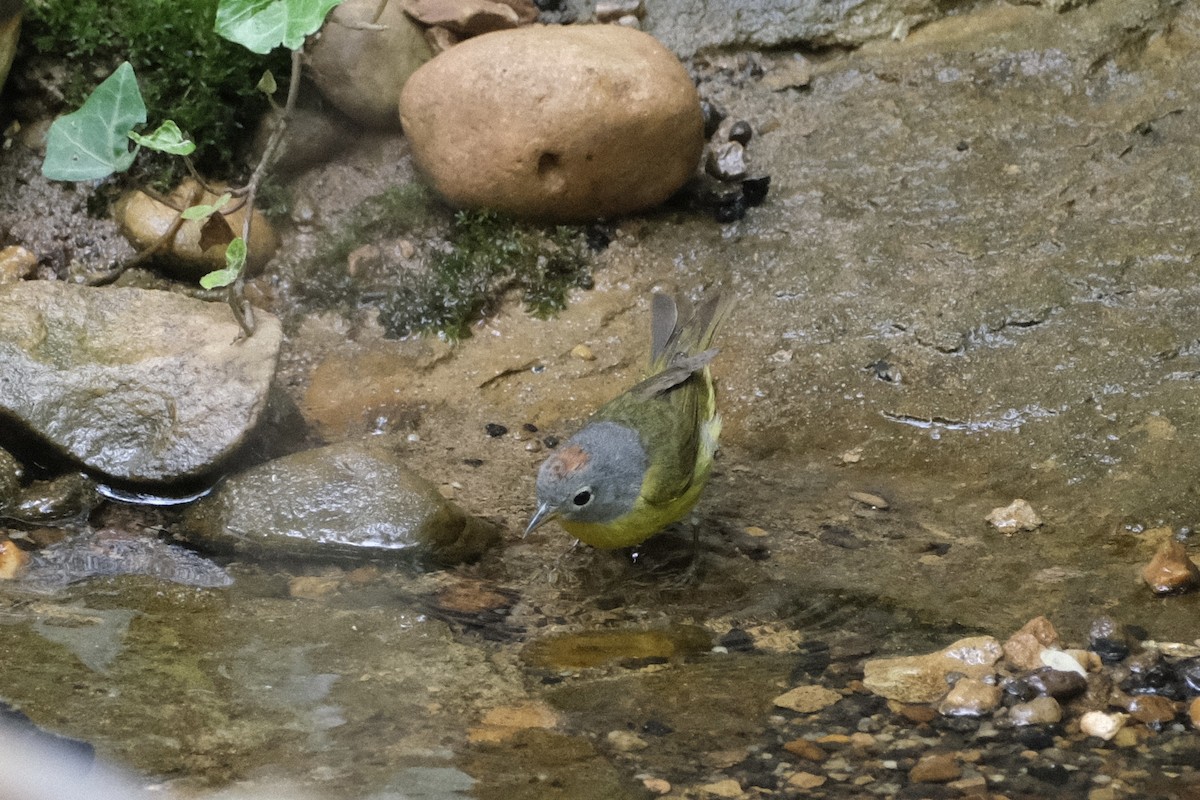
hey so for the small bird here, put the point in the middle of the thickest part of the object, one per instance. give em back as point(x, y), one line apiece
point(643, 458)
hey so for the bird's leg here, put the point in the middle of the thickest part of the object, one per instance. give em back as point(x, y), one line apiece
point(557, 566)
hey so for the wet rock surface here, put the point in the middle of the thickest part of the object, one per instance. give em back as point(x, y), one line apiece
point(618, 131)
point(350, 499)
point(688, 26)
point(133, 384)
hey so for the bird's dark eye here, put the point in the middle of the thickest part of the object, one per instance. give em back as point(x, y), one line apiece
point(583, 498)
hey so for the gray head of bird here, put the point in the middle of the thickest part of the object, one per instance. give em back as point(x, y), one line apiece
point(595, 476)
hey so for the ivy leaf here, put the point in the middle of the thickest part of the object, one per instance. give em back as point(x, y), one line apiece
point(167, 139)
point(235, 259)
point(262, 25)
point(93, 142)
point(201, 211)
point(266, 84)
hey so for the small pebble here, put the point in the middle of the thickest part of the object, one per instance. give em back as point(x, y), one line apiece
point(754, 530)
point(920, 714)
point(1038, 711)
point(1057, 683)
point(805, 749)
point(713, 115)
point(806, 780)
point(970, 697)
point(726, 162)
point(550, 441)
point(725, 788)
point(1101, 725)
point(626, 741)
point(495, 429)
point(529, 427)
point(867, 499)
point(614, 10)
point(1016, 516)
point(12, 560)
point(16, 263)
point(1152, 709)
point(935, 768)
point(583, 352)
point(1194, 713)
point(657, 785)
point(1171, 570)
point(807, 699)
point(754, 190)
point(313, 587)
point(740, 132)
point(534, 446)
point(1023, 649)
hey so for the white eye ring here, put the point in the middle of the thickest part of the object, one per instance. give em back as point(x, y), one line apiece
point(582, 497)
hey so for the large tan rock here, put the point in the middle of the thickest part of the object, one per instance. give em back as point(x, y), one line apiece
point(364, 54)
point(557, 123)
point(923, 678)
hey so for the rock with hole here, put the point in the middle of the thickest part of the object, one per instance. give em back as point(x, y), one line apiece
point(555, 123)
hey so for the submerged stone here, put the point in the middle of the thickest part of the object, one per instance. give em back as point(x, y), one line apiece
point(595, 648)
point(351, 499)
point(923, 679)
point(108, 553)
point(1171, 570)
point(136, 384)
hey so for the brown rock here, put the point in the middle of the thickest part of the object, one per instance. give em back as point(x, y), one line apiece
point(723, 788)
point(970, 697)
point(935, 768)
point(807, 699)
point(365, 53)
point(919, 714)
point(1023, 649)
point(16, 263)
point(1152, 709)
point(1171, 570)
point(922, 679)
point(313, 587)
point(805, 749)
point(1194, 712)
point(13, 560)
point(1038, 711)
point(502, 723)
point(144, 220)
point(806, 780)
point(617, 130)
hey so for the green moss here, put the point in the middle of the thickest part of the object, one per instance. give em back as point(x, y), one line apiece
point(186, 72)
point(485, 255)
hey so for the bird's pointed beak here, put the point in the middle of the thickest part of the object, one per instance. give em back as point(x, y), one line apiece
point(544, 514)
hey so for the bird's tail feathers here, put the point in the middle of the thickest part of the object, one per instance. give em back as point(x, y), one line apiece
point(672, 337)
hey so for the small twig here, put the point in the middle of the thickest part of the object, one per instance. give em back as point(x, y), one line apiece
point(237, 290)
